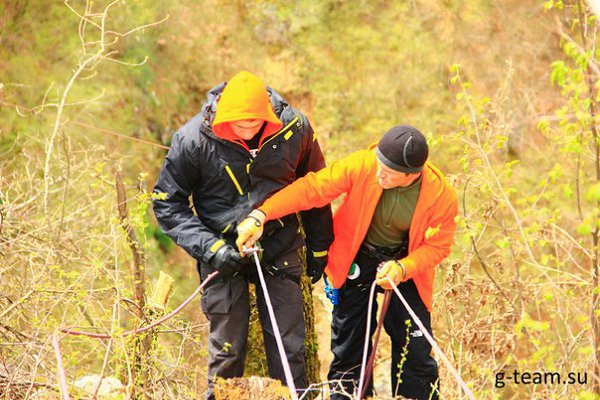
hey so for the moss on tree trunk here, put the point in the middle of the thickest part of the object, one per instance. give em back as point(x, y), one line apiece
point(312, 362)
point(256, 361)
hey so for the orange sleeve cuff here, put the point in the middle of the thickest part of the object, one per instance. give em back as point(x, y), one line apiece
point(410, 267)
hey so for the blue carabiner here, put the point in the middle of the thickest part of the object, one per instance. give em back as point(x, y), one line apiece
point(331, 293)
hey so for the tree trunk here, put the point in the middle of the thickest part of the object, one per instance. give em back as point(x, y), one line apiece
point(312, 362)
point(140, 344)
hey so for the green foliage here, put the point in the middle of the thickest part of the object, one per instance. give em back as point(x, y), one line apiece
point(526, 322)
point(557, 4)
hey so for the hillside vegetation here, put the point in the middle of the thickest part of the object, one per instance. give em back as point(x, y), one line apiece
point(90, 94)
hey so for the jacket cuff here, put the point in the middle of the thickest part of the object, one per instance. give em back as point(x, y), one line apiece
point(410, 267)
point(321, 253)
point(213, 249)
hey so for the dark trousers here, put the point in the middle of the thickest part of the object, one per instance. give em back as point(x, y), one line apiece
point(414, 372)
point(226, 305)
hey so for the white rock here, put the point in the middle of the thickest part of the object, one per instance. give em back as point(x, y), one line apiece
point(110, 386)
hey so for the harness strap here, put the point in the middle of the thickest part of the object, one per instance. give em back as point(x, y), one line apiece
point(386, 253)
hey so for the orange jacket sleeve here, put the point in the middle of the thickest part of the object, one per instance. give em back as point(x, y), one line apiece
point(437, 238)
point(315, 189)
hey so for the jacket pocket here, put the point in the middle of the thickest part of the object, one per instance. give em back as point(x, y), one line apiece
point(274, 165)
point(290, 263)
point(217, 298)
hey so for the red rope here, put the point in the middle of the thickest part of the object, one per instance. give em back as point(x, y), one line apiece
point(71, 331)
point(84, 125)
point(369, 369)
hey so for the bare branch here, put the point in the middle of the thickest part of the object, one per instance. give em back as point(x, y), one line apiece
point(128, 63)
point(560, 32)
point(82, 17)
point(92, 75)
point(139, 27)
point(16, 304)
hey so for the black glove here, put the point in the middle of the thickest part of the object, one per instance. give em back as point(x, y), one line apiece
point(227, 260)
point(315, 265)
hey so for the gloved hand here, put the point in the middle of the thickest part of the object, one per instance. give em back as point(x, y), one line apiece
point(227, 260)
point(315, 264)
point(395, 269)
point(250, 229)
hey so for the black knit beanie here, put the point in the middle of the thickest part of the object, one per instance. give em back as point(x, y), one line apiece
point(403, 148)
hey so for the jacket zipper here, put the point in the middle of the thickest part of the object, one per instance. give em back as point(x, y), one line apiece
point(283, 130)
point(230, 172)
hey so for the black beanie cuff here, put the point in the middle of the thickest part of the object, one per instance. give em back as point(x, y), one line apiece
point(396, 167)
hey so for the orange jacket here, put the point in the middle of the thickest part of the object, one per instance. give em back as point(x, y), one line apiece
point(431, 230)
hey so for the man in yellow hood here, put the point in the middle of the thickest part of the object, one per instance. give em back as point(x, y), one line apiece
point(245, 144)
point(243, 108)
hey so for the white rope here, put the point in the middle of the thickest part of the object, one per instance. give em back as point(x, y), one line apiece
point(363, 367)
point(284, 361)
point(432, 342)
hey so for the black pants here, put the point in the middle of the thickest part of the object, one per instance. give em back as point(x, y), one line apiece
point(414, 373)
point(226, 305)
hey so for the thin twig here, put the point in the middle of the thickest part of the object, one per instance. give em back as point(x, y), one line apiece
point(486, 160)
point(139, 27)
point(16, 304)
point(129, 64)
point(67, 150)
point(474, 245)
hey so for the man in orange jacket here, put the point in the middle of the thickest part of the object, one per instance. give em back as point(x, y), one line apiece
point(245, 144)
point(398, 216)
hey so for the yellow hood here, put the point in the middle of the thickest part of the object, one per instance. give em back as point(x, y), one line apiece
point(244, 97)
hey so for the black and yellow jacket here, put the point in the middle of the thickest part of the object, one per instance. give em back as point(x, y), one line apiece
point(209, 164)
